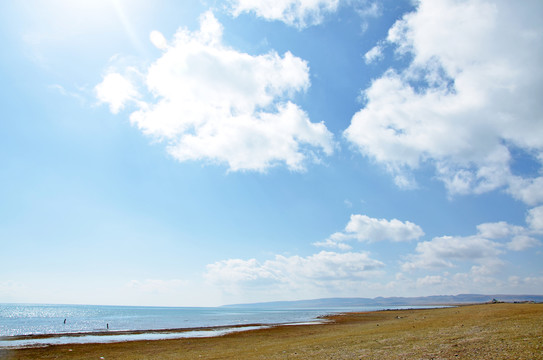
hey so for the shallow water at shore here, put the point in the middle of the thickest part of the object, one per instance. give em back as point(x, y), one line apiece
point(31, 341)
point(21, 319)
point(23, 325)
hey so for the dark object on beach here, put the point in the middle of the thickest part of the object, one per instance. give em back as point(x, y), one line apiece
point(107, 325)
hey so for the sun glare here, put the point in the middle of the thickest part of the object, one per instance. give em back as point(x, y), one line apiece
point(66, 21)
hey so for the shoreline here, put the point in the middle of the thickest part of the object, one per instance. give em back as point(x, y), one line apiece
point(471, 332)
point(114, 336)
point(40, 341)
point(118, 336)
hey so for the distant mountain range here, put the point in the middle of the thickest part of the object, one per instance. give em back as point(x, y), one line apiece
point(393, 301)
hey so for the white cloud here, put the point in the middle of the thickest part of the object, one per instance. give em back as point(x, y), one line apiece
point(116, 91)
point(483, 249)
point(367, 10)
point(323, 270)
point(374, 54)
point(158, 40)
point(370, 9)
point(530, 191)
point(477, 260)
point(522, 242)
point(521, 237)
point(211, 102)
point(371, 229)
point(303, 13)
point(364, 228)
point(299, 13)
point(466, 98)
point(534, 219)
point(499, 230)
point(441, 251)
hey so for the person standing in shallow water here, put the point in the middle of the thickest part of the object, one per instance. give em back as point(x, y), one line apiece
point(64, 321)
point(107, 326)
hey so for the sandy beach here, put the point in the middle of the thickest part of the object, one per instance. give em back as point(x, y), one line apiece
point(487, 331)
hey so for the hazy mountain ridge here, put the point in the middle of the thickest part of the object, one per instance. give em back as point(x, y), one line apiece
point(393, 301)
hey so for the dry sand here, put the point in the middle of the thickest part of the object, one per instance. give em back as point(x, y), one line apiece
point(489, 331)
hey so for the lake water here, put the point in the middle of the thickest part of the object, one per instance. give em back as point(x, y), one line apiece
point(32, 319)
point(21, 319)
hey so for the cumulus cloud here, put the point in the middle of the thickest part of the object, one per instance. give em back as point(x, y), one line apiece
point(322, 270)
point(522, 242)
point(467, 97)
point(521, 237)
point(483, 249)
point(374, 54)
point(299, 13)
point(441, 251)
point(499, 230)
point(365, 228)
point(528, 190)
point(213, 103)
point(535, 219)
point(371, 229)
point(464, 263)
point(116, 91)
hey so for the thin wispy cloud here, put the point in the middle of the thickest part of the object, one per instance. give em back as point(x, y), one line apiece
point(298, 13)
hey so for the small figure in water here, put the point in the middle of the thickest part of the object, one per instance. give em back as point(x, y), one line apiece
point(64, 321)
point(107, 325)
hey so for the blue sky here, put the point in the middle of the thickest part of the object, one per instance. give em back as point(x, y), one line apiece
point(213, 152)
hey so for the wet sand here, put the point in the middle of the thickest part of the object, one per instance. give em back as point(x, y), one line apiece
point(488, 331)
